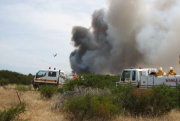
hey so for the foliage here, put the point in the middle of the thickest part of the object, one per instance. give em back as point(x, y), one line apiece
point(93, 80)
point(60, 90)
point(4, 82)
point(47, 91)
point(15, 78)
point(178, 97)
point(12, 113)
point(21, 87)
point(146, 102)
point(164, 99)
point(90, 106)
point(128, 99)
point(62, 98)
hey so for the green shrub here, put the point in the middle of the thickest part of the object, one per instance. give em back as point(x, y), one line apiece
point(16, 78)
point(92, 80)
point(12, 113)
point(97, 107)
point(178, 97)
point(62, 98)
point(164, 99)
point(21, 87)
point(4, 82)
point(124, 97)
point(128, 99)
point(146, 102)
point(60, 90)
point(47, 91)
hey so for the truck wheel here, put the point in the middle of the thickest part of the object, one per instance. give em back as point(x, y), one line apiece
point(35, 86)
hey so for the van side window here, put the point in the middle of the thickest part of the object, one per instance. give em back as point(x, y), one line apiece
point(133, 75)
point(52, 74)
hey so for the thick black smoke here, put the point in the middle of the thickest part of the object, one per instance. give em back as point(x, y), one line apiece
point(130, 33)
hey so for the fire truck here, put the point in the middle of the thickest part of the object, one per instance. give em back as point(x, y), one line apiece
point(146, 78)
point(49, 76)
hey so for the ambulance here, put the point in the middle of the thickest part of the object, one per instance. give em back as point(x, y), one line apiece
point(50, 77)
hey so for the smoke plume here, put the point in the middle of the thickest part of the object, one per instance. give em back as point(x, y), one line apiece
point(129, 33)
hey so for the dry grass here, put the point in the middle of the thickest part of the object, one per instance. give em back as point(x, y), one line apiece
point(39, 109)
point(172, 116)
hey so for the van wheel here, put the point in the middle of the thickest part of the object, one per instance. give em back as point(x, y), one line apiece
point(35, 86)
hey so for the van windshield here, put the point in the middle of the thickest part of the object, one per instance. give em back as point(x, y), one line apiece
point(40, 74)
point(125, 75)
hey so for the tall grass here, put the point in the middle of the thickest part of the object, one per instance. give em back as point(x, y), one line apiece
point(21, 87)
point(12, 113)
point(37, 109)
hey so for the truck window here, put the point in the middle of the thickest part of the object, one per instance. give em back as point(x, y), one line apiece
point(133, 75)
point(52, 74)
point(62, 73)
point(40, 74)
point(125, 75)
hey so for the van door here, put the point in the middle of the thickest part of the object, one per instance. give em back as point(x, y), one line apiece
point(52, 77)
point(134, 77)
point(143, 81)
point(126, 76)
point(41, 76)
point(62, 77)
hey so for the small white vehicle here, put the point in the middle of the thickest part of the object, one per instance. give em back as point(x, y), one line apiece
point(146, 78)
point(54, 77)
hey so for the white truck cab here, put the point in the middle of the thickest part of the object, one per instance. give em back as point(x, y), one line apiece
point(55, 77)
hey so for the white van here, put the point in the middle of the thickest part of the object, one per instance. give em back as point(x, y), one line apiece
point(54, 77)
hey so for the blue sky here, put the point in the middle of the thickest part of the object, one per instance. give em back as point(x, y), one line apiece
point(31, 31)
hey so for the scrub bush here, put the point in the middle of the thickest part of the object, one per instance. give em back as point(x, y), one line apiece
point(16, 78)
point(96, 107)
point(4, 82)
point(146, 102)
point(12, 113)
point(129, 100)
point(93, 81)
point(60, 90)
point(164, 99)
point(138, 102)
point(47, 91)
point(178, 97)
point(62, 98)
